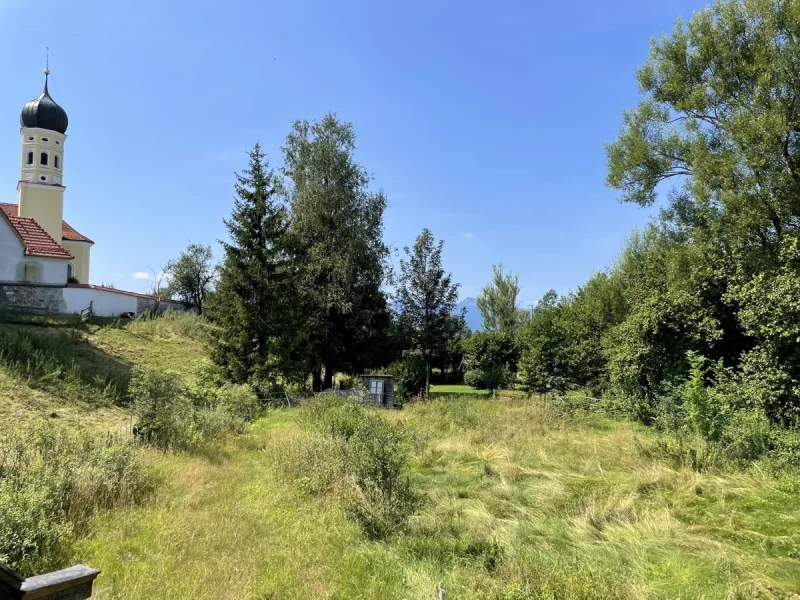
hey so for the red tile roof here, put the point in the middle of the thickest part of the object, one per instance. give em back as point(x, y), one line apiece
point(68, 232)
point(36, 240)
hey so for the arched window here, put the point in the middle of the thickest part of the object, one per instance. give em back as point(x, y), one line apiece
point(70, 270)
point(43, 159)
point(57, 161)
point(30, 157)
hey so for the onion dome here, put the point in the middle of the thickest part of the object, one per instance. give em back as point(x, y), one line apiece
point(44, 113)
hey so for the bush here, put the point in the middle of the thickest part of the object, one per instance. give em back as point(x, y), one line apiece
point(240, 401)
point(211, 424)
point(367, 454)
point(491, 359)
point(493, 378)
point(705, 412)
point(51, 481)
point(409, 378)
point(163, 414)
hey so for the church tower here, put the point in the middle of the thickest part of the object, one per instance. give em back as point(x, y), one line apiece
point(41, 181)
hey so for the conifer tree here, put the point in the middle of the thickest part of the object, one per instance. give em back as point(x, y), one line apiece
point(253, 293)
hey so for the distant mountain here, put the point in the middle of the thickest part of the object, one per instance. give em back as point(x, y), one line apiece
point(473, 316)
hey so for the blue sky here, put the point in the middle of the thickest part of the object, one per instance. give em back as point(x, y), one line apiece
point(484, 122)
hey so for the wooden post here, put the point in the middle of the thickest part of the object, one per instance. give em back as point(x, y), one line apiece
point(74, 583)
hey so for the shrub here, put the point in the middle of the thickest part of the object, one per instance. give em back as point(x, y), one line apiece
point(163, 414)
point(492, 378)
point(370, 457)
point(705, 414)
point(491, 359)
point(747, 437)
point(51, 481)
point(409, 378)
point(240, 401)
point(213, 423)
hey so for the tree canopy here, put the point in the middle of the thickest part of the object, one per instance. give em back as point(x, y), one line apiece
point(427, 298)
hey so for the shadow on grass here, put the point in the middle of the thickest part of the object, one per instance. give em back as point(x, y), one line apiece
point(60, 360)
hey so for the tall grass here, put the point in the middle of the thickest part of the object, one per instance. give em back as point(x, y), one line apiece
point(522, 499)
point(352, 453)
point(172, 323)
point(51, 482)
point(62, 362)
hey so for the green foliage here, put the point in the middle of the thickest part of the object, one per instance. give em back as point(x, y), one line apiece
point(705, 415)
point(427, 297)
point(254, 292)
point(191, 276)
point(163, 414)
point(240, 401)
point(340, 258)
point(51, 482)
point(545, 357)
point(491, 360)
point(409, 378)
point(367, 458)
point(497, 302)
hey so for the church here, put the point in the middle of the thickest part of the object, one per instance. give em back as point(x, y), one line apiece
point(36, 244)
point(45, 261)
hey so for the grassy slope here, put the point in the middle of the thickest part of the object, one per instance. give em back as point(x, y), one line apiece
point(99, 351)
point(521, 503)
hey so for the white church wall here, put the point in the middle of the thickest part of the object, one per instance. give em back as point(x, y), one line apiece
point(104, 303)
point(52, 271)
point(11, 252)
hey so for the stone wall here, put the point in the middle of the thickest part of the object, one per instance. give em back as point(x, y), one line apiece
point(36, 297)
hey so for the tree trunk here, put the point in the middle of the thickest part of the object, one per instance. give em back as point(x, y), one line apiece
point(427, 380)
point(328, 383)
point(316, 378)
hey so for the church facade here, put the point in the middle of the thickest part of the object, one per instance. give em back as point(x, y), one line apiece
point(44, 261)
point(36, 245)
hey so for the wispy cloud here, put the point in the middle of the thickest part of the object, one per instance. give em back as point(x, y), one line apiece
point(141, 275)
point(469, 236)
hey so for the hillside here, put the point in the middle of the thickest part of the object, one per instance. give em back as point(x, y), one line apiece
point(77, 375)
point(519, 498)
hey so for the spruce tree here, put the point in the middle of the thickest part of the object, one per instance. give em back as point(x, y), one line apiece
point(253, 293)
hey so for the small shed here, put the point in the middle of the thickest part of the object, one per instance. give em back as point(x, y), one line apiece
point(380, 389)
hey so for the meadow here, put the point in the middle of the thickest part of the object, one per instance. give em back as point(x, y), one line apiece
point(518, 498)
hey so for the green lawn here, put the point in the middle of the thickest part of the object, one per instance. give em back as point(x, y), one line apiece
point(442, 391)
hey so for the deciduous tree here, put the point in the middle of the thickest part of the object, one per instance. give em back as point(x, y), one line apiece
point(427, 297)
point(192, 275)
point(336, 231)
point(497, 302)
